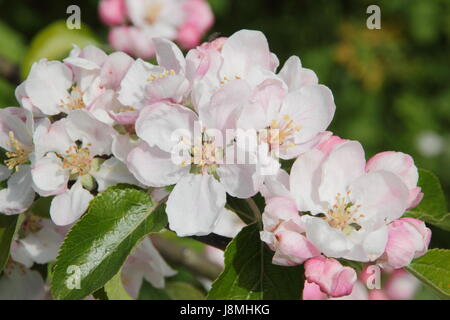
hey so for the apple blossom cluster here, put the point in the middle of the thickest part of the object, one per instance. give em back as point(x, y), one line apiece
point(134, 23)
point(197, 128)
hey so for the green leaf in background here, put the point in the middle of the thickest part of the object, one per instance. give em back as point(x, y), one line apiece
point(54, 42)
point(433, 207)
point(7, 229)
point(433, 269)
point(174, 290)
point(41, 207)
point(250, 275)
point(149, 292)
point(114, 289)
point(12, 45)
point(99, 243)
point(183, 291)
point(7, 97)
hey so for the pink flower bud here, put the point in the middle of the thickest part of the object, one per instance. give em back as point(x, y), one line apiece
point(408, 238)
point(188, 36)
point(284, 233)
point(112, 12)
point(131, 40)
point(311, 291)
point(401, 285)
point(199, 19)
point(333, 278)
point(403, 166)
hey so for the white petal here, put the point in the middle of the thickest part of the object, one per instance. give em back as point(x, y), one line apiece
point(237, 179)
point(49, 177)
point(195, 204)
point(244, 50)
point(154, 167)
point(67, 207)
point(163, 125)
point(229, 224)
point(4, 172)
point(20, 283)
point(111, 172)
point(43, 246)
point(51, 137)
point(304, 181)
point(19, 194)
point(90, 131)
point(311, 107)
point(169, 55)
point(344, 165)
point(382, 195)
point(12, 123)
point(295, 76)
point(122, 145)
point(328, 240)
point(47, 85)
point(132, 88)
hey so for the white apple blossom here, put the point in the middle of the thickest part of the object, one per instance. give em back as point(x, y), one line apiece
point(145, 263)
point(71, 150)
point(88, 79)
point(16, 139)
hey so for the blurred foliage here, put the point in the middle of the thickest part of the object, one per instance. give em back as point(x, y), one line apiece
point(390, 85)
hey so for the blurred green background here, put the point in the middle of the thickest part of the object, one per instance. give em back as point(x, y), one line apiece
point(391, 86)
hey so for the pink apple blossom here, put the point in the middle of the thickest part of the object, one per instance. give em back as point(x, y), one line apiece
point(135, 23)
point(16, 130)
point(349, 207)
point(332, 278)
point(402, 165)
point(112, 12)
point(408, 238)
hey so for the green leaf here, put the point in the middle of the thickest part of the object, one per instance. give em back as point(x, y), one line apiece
point(250, 275)
point(12, 44)
point(41, 207)
point(54, 42)
point(7, 229)
point(174, 290)
point(433, 269)
point(183, 291)
point(242, 208)
point(114, 289)
point(433, 207)
point(99, 243)
point(149, 292)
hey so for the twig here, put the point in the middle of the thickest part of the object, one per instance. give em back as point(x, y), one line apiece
point(255, 210)
point(191, 260)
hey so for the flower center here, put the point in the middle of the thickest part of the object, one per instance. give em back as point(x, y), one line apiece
point(161, 75)
point(343, 215)
point(279, 132)
point(153, 12)
point(74, 100)
point(18, 156)
point(77, 160)
point(205, 155)
point(31, 224)
point(225, 79)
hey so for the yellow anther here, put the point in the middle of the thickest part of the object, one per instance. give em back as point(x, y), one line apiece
point(77, 160)
point(18, 156)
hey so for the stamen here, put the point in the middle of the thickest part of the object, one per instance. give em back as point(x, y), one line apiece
point(18, 156)
point(77, 160)
point(161, 75)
